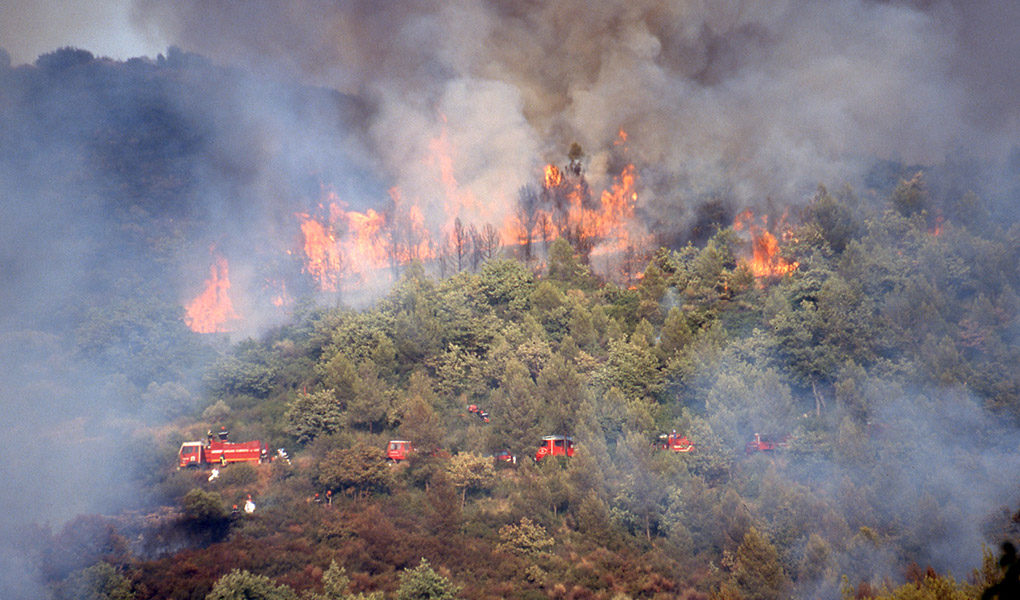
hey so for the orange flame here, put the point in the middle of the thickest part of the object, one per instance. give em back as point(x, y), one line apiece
point(765, 260)
point(343, 248)
point(553, 177)
point(323, 256)
point(212, 309)
point(459, 201)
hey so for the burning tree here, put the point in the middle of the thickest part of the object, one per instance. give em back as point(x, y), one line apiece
point(766, 260)
point(565, 207)
point(211, 310)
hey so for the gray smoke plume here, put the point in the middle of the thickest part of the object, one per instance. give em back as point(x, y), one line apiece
point(745, 99)
point(740, 99)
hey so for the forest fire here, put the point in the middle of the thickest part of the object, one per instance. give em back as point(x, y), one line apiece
point(342, 245)
point(212, 310)
point(616, 217)
point(341, 248)
point(346, 250)
point(553, 177)
point(765, 260)
point(322, 253)
point(459, 200)
point(565, 208)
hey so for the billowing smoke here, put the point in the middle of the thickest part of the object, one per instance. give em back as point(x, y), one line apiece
point(455, 103)
point(742, 99)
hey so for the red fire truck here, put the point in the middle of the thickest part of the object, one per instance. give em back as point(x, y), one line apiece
point(398, 450)
point(766, 443)
point(676, 442)
point(219, 451)
point(555, 445)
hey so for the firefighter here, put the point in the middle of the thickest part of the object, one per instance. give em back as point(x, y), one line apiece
point(329, 497)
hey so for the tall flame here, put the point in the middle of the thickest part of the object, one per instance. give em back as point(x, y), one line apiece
point(343, 247)
point(211, 311)
point(458, 200)
point(323, 255)
point(553, 177)
point(765, 260)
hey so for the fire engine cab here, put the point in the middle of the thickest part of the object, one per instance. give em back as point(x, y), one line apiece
point(766, 443)
point(676, 442)
point(555, 445)
point(398, 450)
point(219, 451)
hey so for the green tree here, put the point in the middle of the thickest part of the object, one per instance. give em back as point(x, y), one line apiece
point(744, 399)
point(372, 399)
point(560, 389)
point(101, 581)
point(204, 508)
point(643, 490)
point(632, 368)
point(470, 471)
point(310, 415)
point(582, 326)
point(834, 219)
point(564, 268)
point(676, 333)
point(361, 468)
point(524, 538)
point(910, 196)
point(336, 586)
point(339, 374)
point(516, 412)
point(758, 571)
point(423, 583)
point(420, 424)
point(244, 585)
point(506, 285)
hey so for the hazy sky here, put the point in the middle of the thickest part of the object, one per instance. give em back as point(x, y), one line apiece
point(29, 28)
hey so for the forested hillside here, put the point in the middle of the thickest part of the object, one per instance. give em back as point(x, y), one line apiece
point(886, 355)
point(882, 354)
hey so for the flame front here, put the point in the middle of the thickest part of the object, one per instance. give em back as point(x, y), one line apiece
point(553, 177)
point(212, 309)
point(343, 248)
point(765, 260)
point(323, 256)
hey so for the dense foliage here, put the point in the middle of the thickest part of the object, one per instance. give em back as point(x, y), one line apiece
point(887, 363)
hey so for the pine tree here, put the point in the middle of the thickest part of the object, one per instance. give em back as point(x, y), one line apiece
point(758, 571)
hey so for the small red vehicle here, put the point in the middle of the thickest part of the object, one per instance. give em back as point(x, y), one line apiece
point(676, 442)
point(482, 413)
point(504, 456)
point(555, 445)
point(398, 450)
point(766, 443)
point(219, 451)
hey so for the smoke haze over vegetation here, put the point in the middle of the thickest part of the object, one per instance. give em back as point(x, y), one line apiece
point(817, 238)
